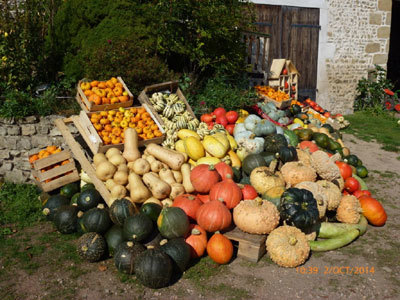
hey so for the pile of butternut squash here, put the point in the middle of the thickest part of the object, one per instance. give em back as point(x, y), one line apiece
point(158, 175)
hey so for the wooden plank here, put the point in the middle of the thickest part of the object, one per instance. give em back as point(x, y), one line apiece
point(56, 171)
point(51, 160)
point(84, 162)
point(238, 235)
point(56, 183)
point(90, 132)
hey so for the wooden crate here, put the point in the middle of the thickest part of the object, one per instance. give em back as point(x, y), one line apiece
point(171, 86)
point(251, 246)
point(95, 142)
point(57, 158)
point(80, 155)
point(278, 104)
point(88, 106)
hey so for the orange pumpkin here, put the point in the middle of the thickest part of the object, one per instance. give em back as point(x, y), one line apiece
point(197, 240)
point(94, 98)
point(213, 216)
point(220, 249)
point(94, 83)
point(373, 210)
point(123, 98)
point(117, 91)
point(110, 84)
point(51, 149)
point(102, 85)
point(33, 157)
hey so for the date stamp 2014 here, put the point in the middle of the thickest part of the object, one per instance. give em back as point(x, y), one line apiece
point(336, 270)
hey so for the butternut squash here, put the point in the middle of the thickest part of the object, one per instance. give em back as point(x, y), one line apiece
point(98, 158)
point(158, 187)
point(110, 184)
point(141, 166)
point(138, 191)
point(105, 170)
point(155, 165)
point(173, 159)
point(176, 190)
point(118, 191)
point(167, 175)
point(111, 152)
point(153, 200)
point(123, 167)
point(121, 177)
point(187, 184)
point(117, 159)
point(177, 176)
point(131, 151)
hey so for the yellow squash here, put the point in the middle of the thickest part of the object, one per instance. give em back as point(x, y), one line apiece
point(194, 148)
point(208, 161)
point(232, 142)
point(215, 147)
point(184, 133)
point(235, 160)
point(223, 139)
point(180, 146)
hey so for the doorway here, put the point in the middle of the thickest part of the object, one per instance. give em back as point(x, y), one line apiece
point(393, 65)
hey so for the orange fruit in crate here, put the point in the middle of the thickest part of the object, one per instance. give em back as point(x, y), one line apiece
point(51, 149)
point(33, 157)
point(94, 83)
point(65, 162)
point(102, 85)
point(114, 80)
point(123, 99)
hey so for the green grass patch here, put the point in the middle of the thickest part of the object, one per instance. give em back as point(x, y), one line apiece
point(381, 127)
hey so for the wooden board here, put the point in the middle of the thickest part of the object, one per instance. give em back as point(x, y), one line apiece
point(278, 104)
point(80, 156)
point(56, 183)
point(94, 141)
point(88, 106)
point(172, 86)
point(251, 246)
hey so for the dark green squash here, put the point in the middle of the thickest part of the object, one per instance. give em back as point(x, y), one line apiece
point(87, 186)
point(125, 255)
point(74, 199)
point(245, 179)
point(329, 127)
point(179, 252)
point(302, 116)
point(295, 109)
point(237, 174)
point(252, 161)
point(274, 142)
point(121, 209)
point(66, 219)
point(152, 210)
point(137, 227)
point(321, 139)
point(69, 190)
point(114, 236)
point(173, 222)
point(53, 203)
point(269, 157)
point(333, 145)
point(96, 220)
point(88, 199)
point(292, 137)
point(91, 247)
point(153, 240)
point(299, 208)
point(352, 160)
point(153, 268)
point(287, 154)
point(304, 134)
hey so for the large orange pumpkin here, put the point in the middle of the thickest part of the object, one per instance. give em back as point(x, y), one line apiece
point(224, 170)
point(373, 210)
point(220, 249)
point(189, 203)
point(197, 241)
point(213, 216)
point(203, 177)
point(227, 191)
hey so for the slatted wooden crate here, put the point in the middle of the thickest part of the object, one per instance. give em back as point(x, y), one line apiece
point(95, 142)
point(55, 177)
point(170, 86)
point(88, 106)
point(288, 82)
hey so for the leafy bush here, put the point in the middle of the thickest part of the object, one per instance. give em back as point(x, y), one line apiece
point(371, 92)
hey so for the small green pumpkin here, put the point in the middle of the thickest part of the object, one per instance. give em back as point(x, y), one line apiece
point(66, 218)
point(287, 154)
point(304, 134)
point(74, 199)
point(179, 252)
point(321, 139)
point(173, 222)
point(89, 198)
point(114, 236)
point(69, 190)
point(121, 209)
point(91, 247)
point(152, 210)
point(291, 136)
point(295, 109)
point(274, 142)
point(52, 204)
point(137, 227)
point(125, 256)
point(264, 127)
point(96, 220)
point(251, 162)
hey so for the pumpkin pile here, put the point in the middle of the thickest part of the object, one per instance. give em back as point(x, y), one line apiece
point(272, 93)
point(105, 92)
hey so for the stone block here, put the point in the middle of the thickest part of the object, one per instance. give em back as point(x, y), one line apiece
point(373, 48)
point(9, 142)
point(41, 141)
point(54, 131)
point(4, 154)
point(32, 151)
point(385, 5)
point(380, 59)
point(28, 129)
point(375, 18)
point(3, 131)
point(29, 120)
point(8, 121)
point(15, 153)
point(388, 18)
point(13, 130)
point(384, 32)
point(7, 166)
point(16, 176)
point(24, 143)
point(43, 128)
point(22, 164)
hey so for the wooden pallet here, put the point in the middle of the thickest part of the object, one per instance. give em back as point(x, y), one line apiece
point(251, 246)
point(80, 155)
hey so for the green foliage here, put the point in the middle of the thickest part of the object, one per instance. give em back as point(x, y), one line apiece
point(219, 91)
point(19, 204)
point(371, 95)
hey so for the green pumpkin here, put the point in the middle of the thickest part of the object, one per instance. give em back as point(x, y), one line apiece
point(125, 256)
point(273, 114)
point(114, 236)
point(274, 142)
point(153, 268)
point(302, 116)
point(173, 223)
point(66, 219)
point(74, 199)
point(245, 179)
point(179, 252)
point(88, 199)
point(295, 109)
point(274, 195)
point(69, 190)
point(252, 161)
point(237, 174)
point(329, 127)
point(304, 134)
point(152, 210)
point(53, 203)
point(321, 139)
point(96, 220)
point(291, 137)
point(153, 240)
point(87, 186)
point(268, 157)
point(352, 160)
point(287, 154)
point(91, 247)
point(361, 171)
point(137, 227)
point(333, 145)
point(264, 127)
point(121, 209)
point(299, 208)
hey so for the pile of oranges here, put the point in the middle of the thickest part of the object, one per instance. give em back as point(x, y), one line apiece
point(272, 93)
point(105, 92)
point(46, 153)
point(110, 125)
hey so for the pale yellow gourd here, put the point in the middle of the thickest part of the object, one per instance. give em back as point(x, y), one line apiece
point(123, 167)
point(141, 166)
point(121, 177)
point(117, 160)
point(173, 159)
point(131, 151)
point(167, 175)
point(138, 191)
point(176, 190)
point(153, 200)
point(98, 158)
point(105, 170)
point(158, 187)
point(155, 165)
point(177, 176)
point(110, 183)
point(187, 184)
point(193, 148)
point(118, 191)
point(112, 151)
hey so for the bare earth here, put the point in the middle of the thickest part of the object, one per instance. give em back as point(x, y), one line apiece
point(366, 269)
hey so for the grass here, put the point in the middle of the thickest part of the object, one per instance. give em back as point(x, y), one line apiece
point(382, 128)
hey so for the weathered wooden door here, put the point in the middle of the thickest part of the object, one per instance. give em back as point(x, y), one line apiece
point(294, 35)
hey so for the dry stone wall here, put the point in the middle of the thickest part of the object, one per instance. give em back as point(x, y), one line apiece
point(21, 138)
point(360, 32)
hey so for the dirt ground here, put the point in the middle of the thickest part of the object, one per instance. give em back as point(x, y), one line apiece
point(42, 264)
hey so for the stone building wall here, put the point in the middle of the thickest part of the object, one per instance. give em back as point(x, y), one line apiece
point(360, 32)
point(21, 138)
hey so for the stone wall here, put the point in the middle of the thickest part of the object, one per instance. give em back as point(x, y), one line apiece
point(21, 138)
point(359, 30)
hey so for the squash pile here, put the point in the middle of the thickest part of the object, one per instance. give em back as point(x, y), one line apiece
point(105, 92)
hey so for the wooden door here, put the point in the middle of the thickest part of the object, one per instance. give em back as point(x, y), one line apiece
point(294, 35)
